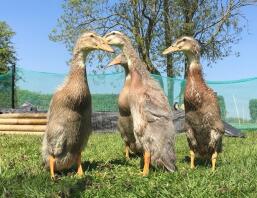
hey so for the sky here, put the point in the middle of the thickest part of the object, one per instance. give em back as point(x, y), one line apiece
point(33, 20)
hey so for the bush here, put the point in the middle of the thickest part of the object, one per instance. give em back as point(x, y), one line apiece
point(41, 101)
point(100, 102)
point(222, 104)
point(253, 109)
point(5, 91)
point(105, 102)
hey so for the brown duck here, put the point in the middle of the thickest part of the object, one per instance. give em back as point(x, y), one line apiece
point(69, 114)
point(125, 121)
point(202, 112)
point(150, 110)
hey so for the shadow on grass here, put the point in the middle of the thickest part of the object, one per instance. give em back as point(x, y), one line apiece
point(66, 184)
point(41, 185)
point(198, 162)
point(81, 185)
point(94, 165)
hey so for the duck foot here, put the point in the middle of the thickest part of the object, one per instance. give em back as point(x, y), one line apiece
point(192, 159)
point(127, 153)
point(51, 165)
point(214, 160)
point(80, 171)
point(147, 160)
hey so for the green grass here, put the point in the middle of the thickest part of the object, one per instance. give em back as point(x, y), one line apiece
point(107, 174)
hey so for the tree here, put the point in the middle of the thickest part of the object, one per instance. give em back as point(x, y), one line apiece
point(216, 24)
point(154, 24)
point(7, 52)
point(7, 61)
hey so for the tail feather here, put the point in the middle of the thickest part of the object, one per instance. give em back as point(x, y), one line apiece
point(167, 160)
point(169, 163)
point(63, 161)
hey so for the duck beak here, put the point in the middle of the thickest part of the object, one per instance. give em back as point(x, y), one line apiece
point(106, 47)
point(113, 62)
point(170, 50)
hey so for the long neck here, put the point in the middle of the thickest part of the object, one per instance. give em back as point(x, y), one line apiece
point(194, 68)
point(130, 54)
point(133, 59)
point(78, 70)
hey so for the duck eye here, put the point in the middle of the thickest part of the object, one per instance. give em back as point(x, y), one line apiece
point(92, 35)
point(113, 33)
point(184, 39)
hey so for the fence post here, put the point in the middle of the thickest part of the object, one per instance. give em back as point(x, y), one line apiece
point(13, 85)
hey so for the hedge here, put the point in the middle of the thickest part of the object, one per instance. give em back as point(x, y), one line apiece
point(253, 109)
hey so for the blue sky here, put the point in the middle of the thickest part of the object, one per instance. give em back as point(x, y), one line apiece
point(32, 20)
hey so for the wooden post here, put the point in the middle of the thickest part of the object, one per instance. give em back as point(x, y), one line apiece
point(13, 85)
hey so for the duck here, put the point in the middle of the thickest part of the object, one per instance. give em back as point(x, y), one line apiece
point(69, 114)
point(150, 110)
point(204, 126)
point(125, 121)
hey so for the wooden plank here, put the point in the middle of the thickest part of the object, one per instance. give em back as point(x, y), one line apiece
point(24, 115)
point(22, 121)
point(40, 128)
point(21, 133)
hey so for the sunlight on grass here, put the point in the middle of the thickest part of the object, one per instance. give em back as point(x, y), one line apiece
point(108, 174)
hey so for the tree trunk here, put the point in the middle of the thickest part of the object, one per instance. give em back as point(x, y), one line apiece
point(168, 42)
point(142, 45)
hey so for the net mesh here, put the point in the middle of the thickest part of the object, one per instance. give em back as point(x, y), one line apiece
point(238, 99)
point(6, 90)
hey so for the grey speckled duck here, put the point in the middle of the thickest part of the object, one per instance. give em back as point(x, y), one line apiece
point(150, 110)
point(69, 114)
point(202, 112)
point(125, 121)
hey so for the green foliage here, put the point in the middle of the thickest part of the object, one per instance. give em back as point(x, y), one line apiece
point(41, 101)
point(222, 105)
point(105, 102)
point(100, 102)
point(253, 109)
point(153, 25)
point(108, 174)
point(7, 52)
point(5, 90)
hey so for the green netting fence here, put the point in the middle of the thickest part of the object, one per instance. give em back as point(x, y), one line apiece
point(238, 99)
point(6, 90)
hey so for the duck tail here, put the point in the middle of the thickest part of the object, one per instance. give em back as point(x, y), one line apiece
point(166, 160)
point(61, 161)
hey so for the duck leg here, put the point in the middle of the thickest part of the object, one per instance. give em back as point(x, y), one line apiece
point(80, 169)
point(127, 152)
point(147, 160)
point(192, 159)
point(213, 160)
point(51, 165)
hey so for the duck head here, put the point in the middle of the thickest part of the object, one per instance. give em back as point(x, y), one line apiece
point(185, 44)
point(89, 41)
point(119, 60)
point(116, 38)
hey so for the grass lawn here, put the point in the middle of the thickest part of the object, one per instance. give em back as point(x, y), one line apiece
point(108, 174)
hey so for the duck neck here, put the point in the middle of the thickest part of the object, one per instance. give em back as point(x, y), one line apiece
point(131, 55)
point(134, 60)
point(194, 68)
point(78, 70)
point(78, 64)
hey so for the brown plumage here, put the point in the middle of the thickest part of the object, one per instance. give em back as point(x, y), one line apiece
point(150, 110)
point(125, 121)
point(202, 112)
point(69, 114)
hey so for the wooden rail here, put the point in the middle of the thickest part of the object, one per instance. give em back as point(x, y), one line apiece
point(23, 123)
